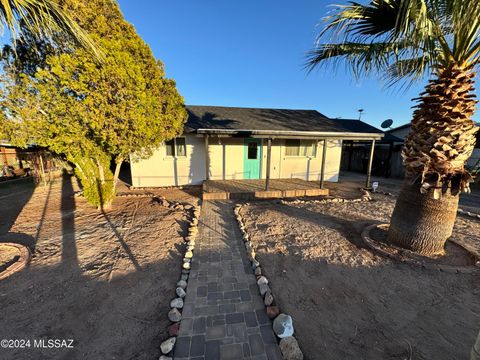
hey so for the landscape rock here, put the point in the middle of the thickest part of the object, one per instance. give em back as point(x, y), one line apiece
point(263, 289)
point(168, 345)
point(182, 284)
point(174, 315)
point(262, 280)
point(283, 326)
point(290, 349)
point(272, 311)
point(180, 292)
point(258, 271)
point(184, 277)
point(268, 299)
point(255, 264)
point(173, 329)
point(163, 357)
point(189, 254)
point(176, 303)
point(186, 266)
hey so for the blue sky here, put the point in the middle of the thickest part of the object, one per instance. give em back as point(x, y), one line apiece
point(250, 53)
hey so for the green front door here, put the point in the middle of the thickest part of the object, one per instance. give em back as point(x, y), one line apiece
point(251, 162)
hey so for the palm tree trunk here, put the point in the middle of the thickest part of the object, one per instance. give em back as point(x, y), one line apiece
point(441, 139)
point(421, 223)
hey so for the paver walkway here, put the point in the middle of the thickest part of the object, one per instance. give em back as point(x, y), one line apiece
point(224, 316)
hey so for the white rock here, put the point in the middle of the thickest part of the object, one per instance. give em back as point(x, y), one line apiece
point(283, 326)
point(168, 345)
point(290, 349)
point(268, 299)
point(174, 315)
point(176, 303)
point(182, 284)
point(263, 288)
point(180, 292)
point(255, 264)
point(258, 271)
point(163, 357)
point(262, 280)
point(189, 254)
point(186, 266)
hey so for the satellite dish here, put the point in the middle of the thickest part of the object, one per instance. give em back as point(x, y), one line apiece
point(387, 124)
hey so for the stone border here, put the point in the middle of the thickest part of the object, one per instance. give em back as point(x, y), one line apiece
point(18, 265)
point(366, 196)
point(176, 304)
point(282, 323)
point(445, 268)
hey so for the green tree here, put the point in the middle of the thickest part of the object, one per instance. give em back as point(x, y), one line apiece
point(409, 39)
point(86, 109)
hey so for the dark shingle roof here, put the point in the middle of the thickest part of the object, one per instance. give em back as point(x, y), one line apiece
point(362, 127)
point(236, 118)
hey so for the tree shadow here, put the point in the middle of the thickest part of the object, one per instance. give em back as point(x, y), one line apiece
point(13, 198)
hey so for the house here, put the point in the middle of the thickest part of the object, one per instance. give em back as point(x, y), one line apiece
point(228, 143)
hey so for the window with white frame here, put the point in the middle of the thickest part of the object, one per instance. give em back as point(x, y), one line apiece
point(297, 147)
point(176, 147)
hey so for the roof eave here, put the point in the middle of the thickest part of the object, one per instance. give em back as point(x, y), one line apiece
point(290, 134)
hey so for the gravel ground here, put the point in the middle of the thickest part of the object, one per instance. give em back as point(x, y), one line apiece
point(104, 280)
point(348, 303)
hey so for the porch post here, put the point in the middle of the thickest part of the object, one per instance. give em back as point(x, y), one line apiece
point(207, 159)
point(369, 169)
point(269, 154)
point(324, 157)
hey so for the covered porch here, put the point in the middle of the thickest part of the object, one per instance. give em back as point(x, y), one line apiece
point(247, 189)
point(279, 184)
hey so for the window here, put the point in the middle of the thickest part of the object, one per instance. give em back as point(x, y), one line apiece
point(176, 147)
point(296, 147)
point(252, 150)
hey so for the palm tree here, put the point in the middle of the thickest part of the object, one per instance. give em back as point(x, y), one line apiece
point(41, 18)
point(408, 40)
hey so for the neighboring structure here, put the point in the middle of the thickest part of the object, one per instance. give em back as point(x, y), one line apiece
point(227, 143)
point(17, 162)
point(402, 132)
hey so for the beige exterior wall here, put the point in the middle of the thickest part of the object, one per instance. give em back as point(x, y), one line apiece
point(163, 170)
point(226, 163)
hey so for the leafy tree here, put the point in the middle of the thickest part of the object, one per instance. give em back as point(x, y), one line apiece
point(121, 106)
point(409, 39)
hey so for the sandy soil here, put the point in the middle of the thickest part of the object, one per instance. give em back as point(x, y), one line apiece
point(8, 255)
point(102, 279)
point(348, 303)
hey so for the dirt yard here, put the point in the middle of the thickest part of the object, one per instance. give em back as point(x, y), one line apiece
point(350, 304)
point(104, 280)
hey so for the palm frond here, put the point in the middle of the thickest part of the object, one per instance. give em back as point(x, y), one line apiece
point(42, 18)
point(361, 57)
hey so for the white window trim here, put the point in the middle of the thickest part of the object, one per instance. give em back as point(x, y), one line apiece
point(175, 148)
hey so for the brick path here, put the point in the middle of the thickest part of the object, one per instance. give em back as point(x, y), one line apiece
point(224, 316)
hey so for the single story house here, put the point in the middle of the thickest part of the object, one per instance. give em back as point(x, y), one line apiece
point(228, 143)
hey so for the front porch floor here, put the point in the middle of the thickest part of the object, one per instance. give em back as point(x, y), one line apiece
point(251, 189)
